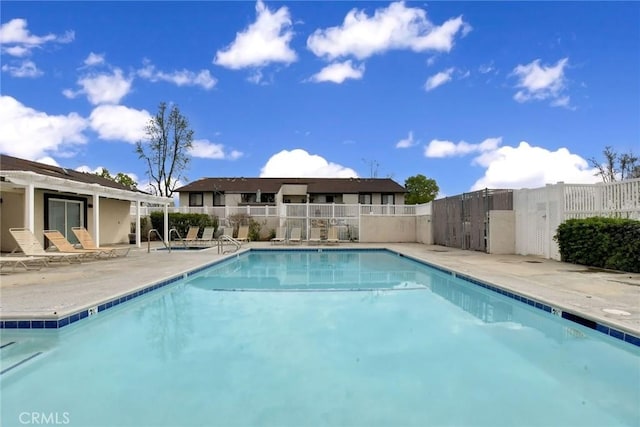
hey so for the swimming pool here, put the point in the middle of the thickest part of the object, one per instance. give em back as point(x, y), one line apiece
point(308, 338)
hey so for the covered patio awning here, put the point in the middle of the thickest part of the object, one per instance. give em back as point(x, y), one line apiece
point(28, 181)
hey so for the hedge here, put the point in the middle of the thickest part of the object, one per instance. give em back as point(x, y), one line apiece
point(182, 221)
point(601, 242)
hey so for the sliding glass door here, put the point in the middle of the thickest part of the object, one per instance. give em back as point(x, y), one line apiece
point(64, 214)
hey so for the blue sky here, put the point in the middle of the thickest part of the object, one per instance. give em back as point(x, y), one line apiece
point(471, 94)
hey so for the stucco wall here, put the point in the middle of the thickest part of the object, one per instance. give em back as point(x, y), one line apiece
point(502, 232)
point(114, 221)
point(11, 215)
point(375, 229)
point(423, 229)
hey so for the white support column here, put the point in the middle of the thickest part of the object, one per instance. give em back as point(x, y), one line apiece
point(138, 240)
point(29, 208)
point(166, 224)
point(96, 218)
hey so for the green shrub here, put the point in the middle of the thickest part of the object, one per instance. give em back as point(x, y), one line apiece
point(254, 230)
point(182, 221)
point(601, 242)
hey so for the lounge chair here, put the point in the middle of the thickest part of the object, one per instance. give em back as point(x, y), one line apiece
point(86, 241)
point(280, 235)
point(192, 234)
point(332, 236)
point(61, 243)
point(207, 236)
point(314, 235)
point(26, 262)
point(243, 233)
point(227, 231)
point(30, 246)
point(295, 235)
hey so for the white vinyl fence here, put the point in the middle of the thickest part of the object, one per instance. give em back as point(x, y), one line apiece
point(540, 211)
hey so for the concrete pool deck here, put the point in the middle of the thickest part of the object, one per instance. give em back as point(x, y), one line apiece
point(610, 298)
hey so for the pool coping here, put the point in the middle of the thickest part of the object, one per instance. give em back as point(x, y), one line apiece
point(554, 308)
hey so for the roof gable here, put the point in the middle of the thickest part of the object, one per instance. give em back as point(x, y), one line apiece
point(8, 163)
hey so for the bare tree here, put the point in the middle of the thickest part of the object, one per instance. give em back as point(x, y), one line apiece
point(166, 149)
point(616, 166)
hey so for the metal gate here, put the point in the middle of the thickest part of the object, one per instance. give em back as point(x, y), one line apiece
point(462, 221)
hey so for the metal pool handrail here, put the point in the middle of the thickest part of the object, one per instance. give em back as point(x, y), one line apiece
point(228, 238)
point(173, 230)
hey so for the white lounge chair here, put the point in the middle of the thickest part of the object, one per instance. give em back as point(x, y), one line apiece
point(207, 236)
point(30, 246)
point(314, 235)
point(280, 235)
point(26, 262)
point(61, 243)
point(87, 242)
point(296, 235)
point(192, 234)
point(243, 233)
point(332, 236)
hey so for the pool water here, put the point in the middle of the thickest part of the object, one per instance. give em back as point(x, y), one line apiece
point(332, 338)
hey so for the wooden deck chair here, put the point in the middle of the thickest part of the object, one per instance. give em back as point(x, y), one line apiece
point(243, 233)
point(280, 235)
point(332, 236)
point(26, 262)
point(86, 241)
point(295, 235)
point(192, 234)
point(61, 243)
point(207, 236)
point(30, 246)
point(314, 235)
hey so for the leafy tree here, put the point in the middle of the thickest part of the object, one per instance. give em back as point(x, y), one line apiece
point(420, 189)
point(120, 178)
point(622, 166)
point(166, 149)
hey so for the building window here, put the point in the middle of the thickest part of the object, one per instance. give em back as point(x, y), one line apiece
point(388, 199)
point(218, 199)
point(267, 198)
point(364, 198)
point(195, 199)
point(248, 198)
point(330, 199)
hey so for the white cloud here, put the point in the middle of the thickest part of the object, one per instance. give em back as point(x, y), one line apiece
point(94, 59)
point(102, 88)
point(441, 148)
point(526, 166)
point(299, 163)
point(27, 133)
point(338, 72)
point(119, 123)
point(17, 40)
point(180, 78)
point(406, 142)
point(539, 83)
point(26, 68)
point(263, 42)
point(438, 79)
point(393, 27)
point(205, 149)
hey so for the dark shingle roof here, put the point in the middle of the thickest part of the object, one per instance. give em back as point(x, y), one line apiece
point(8, 163)
point(314, 185)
